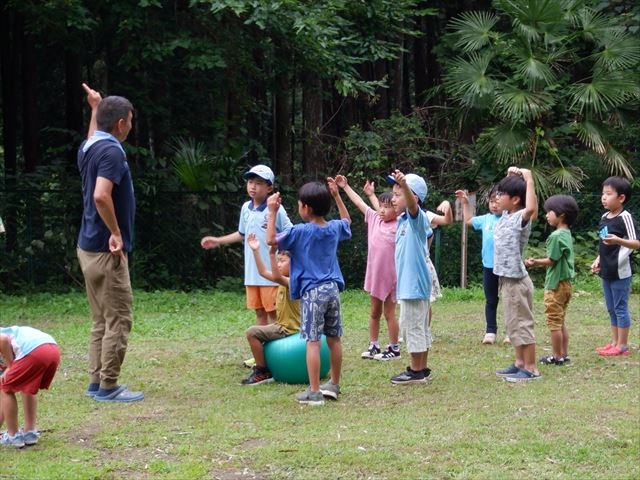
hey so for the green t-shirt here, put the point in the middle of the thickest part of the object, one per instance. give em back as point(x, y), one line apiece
point(560, 250)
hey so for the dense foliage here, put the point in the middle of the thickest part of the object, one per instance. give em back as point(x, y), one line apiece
point(453, 90)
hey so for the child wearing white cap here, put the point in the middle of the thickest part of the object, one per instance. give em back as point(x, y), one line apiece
point(413, 276)
point(261, 293)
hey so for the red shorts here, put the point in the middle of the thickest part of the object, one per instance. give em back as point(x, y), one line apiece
point(34, 371)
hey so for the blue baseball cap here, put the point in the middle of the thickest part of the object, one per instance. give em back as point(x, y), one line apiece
point(416, 183)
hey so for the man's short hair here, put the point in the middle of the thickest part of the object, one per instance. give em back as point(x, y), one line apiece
point(110, 110)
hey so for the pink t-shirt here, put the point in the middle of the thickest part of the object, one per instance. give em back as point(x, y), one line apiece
point(380, 278)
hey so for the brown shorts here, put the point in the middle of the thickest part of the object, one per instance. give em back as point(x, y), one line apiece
point(266, 333)
point(517, 302)
point(555, 305)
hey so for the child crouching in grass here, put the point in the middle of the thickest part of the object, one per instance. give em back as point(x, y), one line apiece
point(29, 359)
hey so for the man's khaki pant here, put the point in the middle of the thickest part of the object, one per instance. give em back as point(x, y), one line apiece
point(110, 298)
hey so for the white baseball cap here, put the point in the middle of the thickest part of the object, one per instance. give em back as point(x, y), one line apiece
point(416, 183)
point(261, 171)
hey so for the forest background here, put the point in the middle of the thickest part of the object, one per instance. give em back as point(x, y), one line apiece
point(453, 90)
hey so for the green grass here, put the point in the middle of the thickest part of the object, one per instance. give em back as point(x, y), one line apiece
point(580, 421)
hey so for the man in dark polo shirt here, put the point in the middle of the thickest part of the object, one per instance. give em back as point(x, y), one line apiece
point(104, 241)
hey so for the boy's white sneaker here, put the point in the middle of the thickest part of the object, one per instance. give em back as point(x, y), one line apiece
point(489, 339)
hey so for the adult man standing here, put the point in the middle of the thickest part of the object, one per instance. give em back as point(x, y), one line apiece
point(104, 241)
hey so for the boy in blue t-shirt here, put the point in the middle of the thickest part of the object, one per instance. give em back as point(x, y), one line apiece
point(414, 279)
point(315, 278)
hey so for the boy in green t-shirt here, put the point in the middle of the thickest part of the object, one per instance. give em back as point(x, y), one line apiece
point(562, 211)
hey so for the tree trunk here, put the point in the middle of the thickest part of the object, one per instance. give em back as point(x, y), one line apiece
point(313, 164)
point(30, 121)
point(282, 153)
point(398, 81)
point(73, 103)
point(9, 54)
point(419, 62)
point(381, 72)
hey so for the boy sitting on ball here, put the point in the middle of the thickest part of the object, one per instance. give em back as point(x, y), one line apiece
point(287, 311)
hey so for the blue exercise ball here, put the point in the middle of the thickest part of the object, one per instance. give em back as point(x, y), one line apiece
point(287, 359)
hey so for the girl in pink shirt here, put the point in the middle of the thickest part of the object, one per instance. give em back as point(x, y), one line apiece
point(380, 277)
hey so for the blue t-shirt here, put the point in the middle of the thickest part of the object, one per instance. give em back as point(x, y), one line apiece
point(314, 259)
point(485, 223)
point(25, 340)
point(413, 277)
point(254, 220)
point(105, 158)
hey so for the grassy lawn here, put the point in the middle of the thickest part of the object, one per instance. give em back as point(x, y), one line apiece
point(580, 421)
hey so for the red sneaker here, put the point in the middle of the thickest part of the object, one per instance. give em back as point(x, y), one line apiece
point(608, 346)
point(615, 352)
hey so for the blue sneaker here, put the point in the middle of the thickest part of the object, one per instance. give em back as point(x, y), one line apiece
point(510, 370)
point(118, 394)
point(30, 437)
point(522, 376)
point(12, 441)
point(92, 390)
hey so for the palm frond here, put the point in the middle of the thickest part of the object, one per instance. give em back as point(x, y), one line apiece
point(592, 133)
point(606, 91)
point(616, 164)
point(505, 142)
point(536, 20)
point(474, 30)
point(536, 72)
point(191, 163)
point(620, 52)
point(468, 82)
point(518, 105)
point(569, 178)
point(592, 25)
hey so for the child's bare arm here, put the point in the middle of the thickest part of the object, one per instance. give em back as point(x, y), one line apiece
point(531, 200)
point(369, 190)
point(213, 242)
point(356, 199)
point(254, 244)
point(6, 350)
point(539, 262)
point(447, 218)
point(611, 239)
point(273, 204)
point(412, 204)
point(335, 193)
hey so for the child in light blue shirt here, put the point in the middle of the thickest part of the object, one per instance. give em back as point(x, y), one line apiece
point(414, 278)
